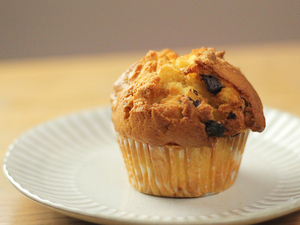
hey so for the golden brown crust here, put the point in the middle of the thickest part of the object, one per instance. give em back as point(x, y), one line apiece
point(165, 99)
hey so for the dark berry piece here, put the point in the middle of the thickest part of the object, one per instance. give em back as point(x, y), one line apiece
point(231, 115)
point(212, 84)
point(214, 128)
point(196, 103)
point(195, 92)
point(190, 99)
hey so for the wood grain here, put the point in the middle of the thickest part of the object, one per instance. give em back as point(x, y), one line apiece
point(36, 90)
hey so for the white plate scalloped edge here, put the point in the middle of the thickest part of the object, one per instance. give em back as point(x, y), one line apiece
point(56, 164)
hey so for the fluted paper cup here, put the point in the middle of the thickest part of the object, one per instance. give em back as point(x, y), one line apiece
point(175, 171)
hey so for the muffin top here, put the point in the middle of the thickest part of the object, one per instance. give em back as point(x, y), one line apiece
point(191, 100)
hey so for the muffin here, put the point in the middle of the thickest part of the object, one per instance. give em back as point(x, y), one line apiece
point(182, 122)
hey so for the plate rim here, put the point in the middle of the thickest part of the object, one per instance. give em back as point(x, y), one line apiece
point(285, 208)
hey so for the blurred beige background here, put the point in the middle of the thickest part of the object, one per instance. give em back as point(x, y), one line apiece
point(49, 28)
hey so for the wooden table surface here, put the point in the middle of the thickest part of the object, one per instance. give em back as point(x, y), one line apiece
point(35, 90)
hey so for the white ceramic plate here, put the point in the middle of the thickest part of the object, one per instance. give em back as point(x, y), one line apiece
point(72, 164)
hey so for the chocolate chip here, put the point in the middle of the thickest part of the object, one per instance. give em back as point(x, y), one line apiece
point(212, 84)
point(214, 128)
point(196, 103)
point(231, 115)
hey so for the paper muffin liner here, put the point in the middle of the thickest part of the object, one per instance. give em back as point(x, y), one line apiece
point(175, 171)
